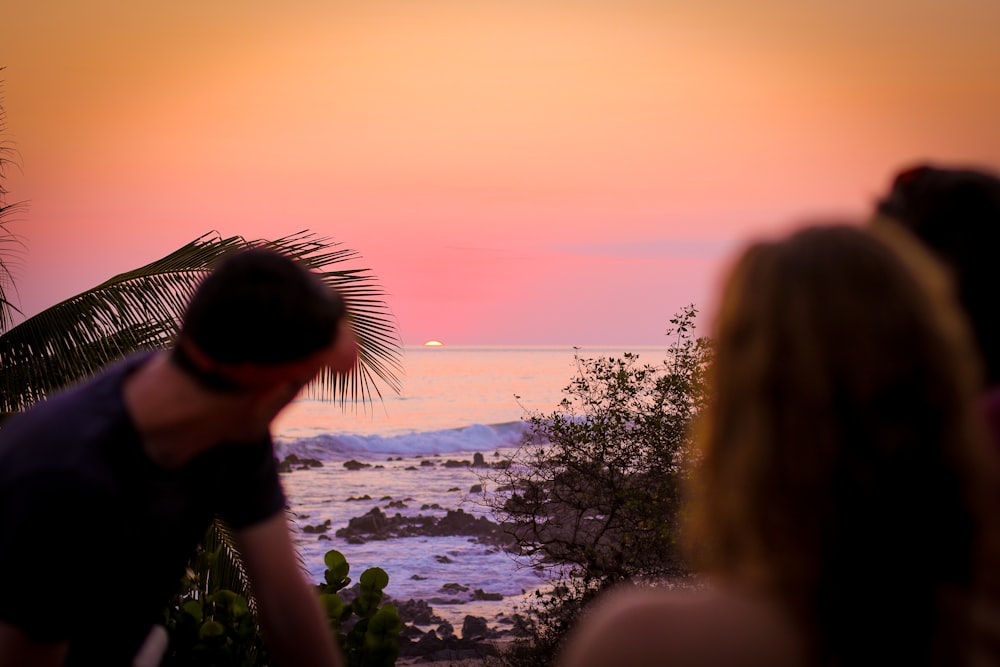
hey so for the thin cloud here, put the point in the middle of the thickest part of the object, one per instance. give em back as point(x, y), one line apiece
point(651, 249)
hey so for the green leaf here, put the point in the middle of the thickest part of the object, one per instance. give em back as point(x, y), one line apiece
point(192, 608)
point(333, 559)
point(211, 630)
point(374, 578)
point(385, 622)
point(332, 604)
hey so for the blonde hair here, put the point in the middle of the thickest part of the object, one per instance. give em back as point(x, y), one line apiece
point(837, 463)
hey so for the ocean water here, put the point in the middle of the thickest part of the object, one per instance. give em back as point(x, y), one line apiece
point(455, 402)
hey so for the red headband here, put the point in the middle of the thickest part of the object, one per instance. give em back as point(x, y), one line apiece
point(252, 375)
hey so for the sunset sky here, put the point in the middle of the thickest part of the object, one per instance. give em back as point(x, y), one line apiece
point(564, 172)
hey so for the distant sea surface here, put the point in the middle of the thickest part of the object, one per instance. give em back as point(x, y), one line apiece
point(455, 402)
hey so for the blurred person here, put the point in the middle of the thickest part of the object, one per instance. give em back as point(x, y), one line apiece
point(955, 213)
point(839, 497)
point(107, 487)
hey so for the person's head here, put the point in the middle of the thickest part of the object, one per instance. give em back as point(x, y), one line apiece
point(261, 321)
point(956, 213)
point(836, 450)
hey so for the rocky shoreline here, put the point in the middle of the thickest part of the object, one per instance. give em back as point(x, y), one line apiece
point(426, 637)
point(477, 639)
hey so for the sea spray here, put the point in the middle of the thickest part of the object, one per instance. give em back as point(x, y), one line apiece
point(338, 447)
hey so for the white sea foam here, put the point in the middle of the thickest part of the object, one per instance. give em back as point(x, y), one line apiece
point(475, 438)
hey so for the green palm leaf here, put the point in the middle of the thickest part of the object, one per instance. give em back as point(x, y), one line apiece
point(141, 309)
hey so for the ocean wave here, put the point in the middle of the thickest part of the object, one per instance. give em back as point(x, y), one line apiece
point(474, 438)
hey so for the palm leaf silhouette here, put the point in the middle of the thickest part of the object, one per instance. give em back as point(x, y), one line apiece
point(141, 309)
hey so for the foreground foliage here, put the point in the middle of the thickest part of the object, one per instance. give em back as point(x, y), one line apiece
point(212, 625)
point(367, 630)
point(593, 494)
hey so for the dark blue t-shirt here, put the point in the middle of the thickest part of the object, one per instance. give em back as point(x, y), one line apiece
point(94, 536)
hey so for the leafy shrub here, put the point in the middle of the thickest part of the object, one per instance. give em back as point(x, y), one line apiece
point(593, 494)
point(367, 630)
point(210, 624)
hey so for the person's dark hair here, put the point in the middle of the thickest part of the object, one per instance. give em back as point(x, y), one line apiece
point(956, 213)
point(260, 306)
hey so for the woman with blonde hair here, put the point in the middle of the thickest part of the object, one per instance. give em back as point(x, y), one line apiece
point(838, 497)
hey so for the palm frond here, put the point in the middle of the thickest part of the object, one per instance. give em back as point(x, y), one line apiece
point(142, 309)
point(379, 345)
point(11, 247)
point(226, 571)
point(10, 244)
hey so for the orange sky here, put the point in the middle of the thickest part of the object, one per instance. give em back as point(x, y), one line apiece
point(526, 171)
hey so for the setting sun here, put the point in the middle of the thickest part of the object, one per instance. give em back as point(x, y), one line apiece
point(433, 343)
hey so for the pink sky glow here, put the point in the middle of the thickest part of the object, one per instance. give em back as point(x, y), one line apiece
point(565, 172)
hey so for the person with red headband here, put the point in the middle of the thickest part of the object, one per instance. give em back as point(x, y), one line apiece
point(107, 487)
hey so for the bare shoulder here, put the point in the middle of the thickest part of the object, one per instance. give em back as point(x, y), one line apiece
point(691, 627)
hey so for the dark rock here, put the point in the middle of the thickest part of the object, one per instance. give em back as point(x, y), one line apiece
point(417, 612)
point(475, 627)
point(429, 643)
point(318, 528)
point(375, 525)
point(356, 465)
point(458, 522)
point(478, 461)
point(442, 644)
point(479, 594)
point(294, 462)
point(476, 488)
point(447, 601)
